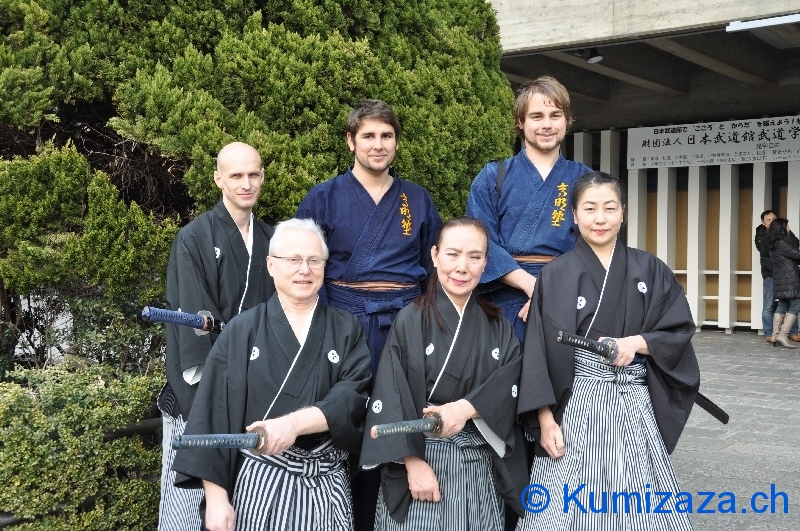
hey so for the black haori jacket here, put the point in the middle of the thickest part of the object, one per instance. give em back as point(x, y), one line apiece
point(642, 296)
point(210, 269)
point(484, 369)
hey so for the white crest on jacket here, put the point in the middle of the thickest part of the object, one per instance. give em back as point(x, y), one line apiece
point(429, 349)
point(377, 406)
point(254, 353)
point(581, 302)
point(642, 287)
point(496, 353)
point(333, 357)
point(217, 252)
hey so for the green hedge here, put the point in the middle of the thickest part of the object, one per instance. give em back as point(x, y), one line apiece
point(111, 114)
point(56, 467)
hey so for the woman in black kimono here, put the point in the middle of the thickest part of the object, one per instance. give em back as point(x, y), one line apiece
point(452, 353)
point(606, 426)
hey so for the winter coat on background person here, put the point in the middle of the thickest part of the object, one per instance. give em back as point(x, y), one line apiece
point(784, 252)
point(785, 258)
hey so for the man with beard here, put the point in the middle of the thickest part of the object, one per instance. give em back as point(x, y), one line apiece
point(379, 230)
point(524, 200)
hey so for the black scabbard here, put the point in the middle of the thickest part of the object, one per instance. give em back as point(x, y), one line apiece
point(713, 409)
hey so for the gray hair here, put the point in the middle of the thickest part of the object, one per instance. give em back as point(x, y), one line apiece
point(280, 238)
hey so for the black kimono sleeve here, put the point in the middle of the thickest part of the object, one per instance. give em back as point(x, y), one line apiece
point(344, 404)
point(536, 389)
point(495, 399)
point(398, 394)
point(219, 408)
point(673, 376)
point(188, 289)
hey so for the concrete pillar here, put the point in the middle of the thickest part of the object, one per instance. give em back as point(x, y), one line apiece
point(696, 241)
point(609, 152)
point(728, 244)
point(583, 148)
point(637, 209)
point(762, 200)
point(793, 197)
point(665, 220)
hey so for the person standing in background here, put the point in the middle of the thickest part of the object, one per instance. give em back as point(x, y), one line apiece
point(768, 308)
point(784, 251)
point(217, 265)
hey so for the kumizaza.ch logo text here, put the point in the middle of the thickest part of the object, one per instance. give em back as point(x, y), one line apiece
point(536, 498)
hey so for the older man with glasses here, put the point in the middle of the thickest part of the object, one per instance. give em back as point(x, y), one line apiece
point(299, 370)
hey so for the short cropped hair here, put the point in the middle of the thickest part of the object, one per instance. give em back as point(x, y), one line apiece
point(280, 239)
point(372, 109)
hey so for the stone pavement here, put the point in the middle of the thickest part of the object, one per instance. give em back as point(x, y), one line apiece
point(759, 387)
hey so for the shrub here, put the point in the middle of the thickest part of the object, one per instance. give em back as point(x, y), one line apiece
point(57, 469)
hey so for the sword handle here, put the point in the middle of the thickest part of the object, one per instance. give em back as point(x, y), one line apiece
point(196, 321)
point(606, 348)
point(251, 441)
point(430, 423)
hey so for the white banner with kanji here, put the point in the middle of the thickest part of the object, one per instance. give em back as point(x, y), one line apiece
point(715, 143)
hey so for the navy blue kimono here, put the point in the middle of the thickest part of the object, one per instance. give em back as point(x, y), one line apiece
point(532, 216)
point(390, 241)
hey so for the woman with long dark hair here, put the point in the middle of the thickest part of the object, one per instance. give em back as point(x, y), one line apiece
point(451, 353)
point(785, 255)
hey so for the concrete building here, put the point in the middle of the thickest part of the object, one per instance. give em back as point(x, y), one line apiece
point(697, 103)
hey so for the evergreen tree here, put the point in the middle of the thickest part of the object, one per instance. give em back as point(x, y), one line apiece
point(111, 113)
point(141, 96)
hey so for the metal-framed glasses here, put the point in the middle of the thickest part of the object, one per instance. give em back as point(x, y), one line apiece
point(314, 262)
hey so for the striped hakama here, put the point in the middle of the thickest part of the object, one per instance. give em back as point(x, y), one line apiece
point(178, 509)
point(613, 446)
point(463, 467)
point(297, 490)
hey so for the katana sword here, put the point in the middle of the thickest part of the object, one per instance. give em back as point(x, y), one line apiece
point(202, 322)
point(431, 423)
point(606, 348)
point(609, 346)
point(250, 441)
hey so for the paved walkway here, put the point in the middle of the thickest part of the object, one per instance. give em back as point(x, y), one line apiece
point(759, 387)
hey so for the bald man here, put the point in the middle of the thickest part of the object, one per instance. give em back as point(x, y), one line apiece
point(218, 265)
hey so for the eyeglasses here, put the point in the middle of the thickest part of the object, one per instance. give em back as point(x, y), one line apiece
point(314, 262)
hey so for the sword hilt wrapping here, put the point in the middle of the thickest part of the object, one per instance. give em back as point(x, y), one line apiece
point(430, 423)
point(606, 348)
point(158, 315)
point(251, 441)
